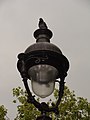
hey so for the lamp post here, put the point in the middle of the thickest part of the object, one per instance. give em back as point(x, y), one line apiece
point(44, 64)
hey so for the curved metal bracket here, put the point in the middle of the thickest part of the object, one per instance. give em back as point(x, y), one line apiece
point(43, 107)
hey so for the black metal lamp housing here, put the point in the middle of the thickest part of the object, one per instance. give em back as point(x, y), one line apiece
point(43, 63)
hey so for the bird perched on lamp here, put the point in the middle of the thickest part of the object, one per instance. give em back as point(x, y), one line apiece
point(42, 24)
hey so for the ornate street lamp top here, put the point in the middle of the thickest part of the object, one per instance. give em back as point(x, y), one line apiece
point(43, 63)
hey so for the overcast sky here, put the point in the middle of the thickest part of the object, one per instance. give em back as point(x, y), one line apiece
point(70, 22)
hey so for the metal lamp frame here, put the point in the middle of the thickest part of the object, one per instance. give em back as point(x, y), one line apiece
point(43, 57)
point(37, 55)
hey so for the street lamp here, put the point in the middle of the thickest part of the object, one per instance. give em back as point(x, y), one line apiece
point(43, 63)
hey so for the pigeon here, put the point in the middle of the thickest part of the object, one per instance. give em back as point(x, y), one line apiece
point(42, 24)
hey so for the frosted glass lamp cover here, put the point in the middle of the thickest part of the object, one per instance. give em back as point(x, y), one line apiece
point(43, 79)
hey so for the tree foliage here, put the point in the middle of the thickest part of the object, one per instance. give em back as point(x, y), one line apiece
point(3, 112)
point(70, 108)
point(26, 111)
